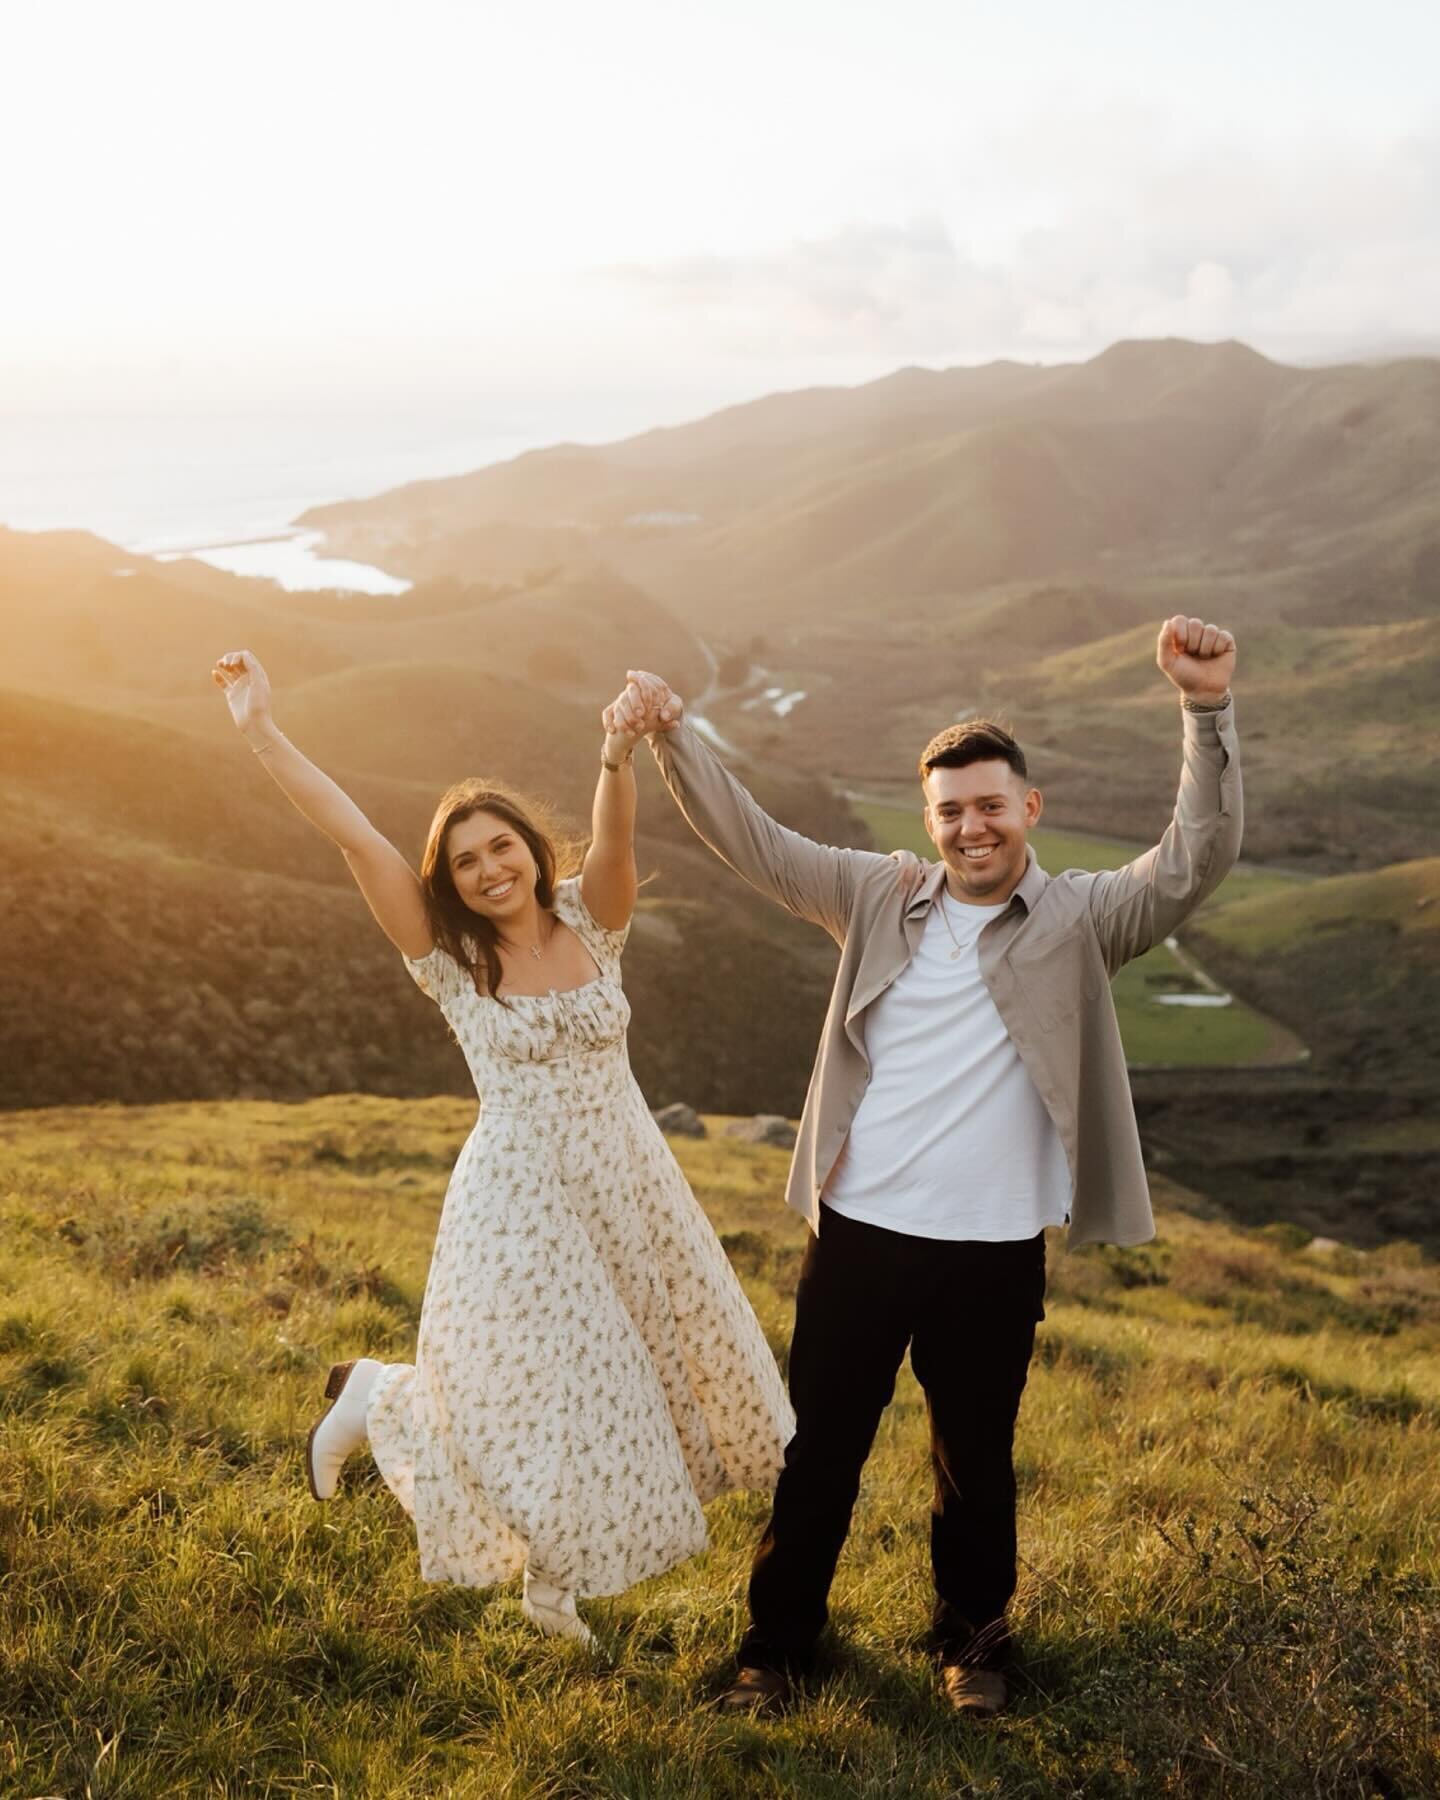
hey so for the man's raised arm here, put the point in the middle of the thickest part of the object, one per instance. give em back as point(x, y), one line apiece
point(1139, 906)
point(813, 881)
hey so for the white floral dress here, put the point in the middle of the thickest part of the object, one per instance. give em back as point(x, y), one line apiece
point(589, 1371)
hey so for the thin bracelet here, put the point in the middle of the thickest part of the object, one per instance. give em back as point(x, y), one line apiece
point(262, 751)
point(615, 768)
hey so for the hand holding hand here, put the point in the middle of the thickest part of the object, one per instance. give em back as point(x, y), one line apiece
point(1198, 658)
point(618, 744)
point(644, 704)
point(246, 687)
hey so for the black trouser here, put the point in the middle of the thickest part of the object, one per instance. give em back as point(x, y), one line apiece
point(968, 1313)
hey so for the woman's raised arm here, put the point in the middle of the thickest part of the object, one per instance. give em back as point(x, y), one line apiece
point(608, 881)
point(391, 887)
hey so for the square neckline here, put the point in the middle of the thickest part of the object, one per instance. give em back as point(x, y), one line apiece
point(599, 942)
point(553, 993)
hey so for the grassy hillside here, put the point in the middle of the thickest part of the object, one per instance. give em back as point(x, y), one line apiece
point(142, 973)
point(85, 621)
point(1352, 964)
point(1227, 1459)
point(1358, 956)
point(175, 930)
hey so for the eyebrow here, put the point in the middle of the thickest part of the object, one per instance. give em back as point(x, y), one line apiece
point(470, 849)
point(980, 799)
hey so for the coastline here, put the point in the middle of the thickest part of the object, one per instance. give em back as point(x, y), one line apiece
point(295, 559)
point(230, 489)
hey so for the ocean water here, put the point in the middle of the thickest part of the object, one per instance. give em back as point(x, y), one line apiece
point(297, 562)
point(228, 487)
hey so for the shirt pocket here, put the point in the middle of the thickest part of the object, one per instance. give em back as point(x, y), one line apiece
point(1056, 974)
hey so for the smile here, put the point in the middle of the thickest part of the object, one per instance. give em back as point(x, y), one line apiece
point(500, 890)
point(979, 852)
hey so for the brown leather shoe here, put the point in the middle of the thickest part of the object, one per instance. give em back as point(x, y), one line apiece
point(756, 1691)
point(983, 1691)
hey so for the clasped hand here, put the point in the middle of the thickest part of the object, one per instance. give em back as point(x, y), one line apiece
point(644, 704)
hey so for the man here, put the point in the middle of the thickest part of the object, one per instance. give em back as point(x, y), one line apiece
point(970, 1090)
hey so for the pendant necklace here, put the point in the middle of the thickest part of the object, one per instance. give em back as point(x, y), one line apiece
point(534, 950)
point(959, 949)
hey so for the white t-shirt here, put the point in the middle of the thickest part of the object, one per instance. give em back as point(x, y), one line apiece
point(951, 1139)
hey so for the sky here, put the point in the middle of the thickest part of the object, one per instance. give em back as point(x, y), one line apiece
point(618, 214)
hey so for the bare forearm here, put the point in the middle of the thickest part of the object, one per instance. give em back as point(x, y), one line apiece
point(608, 882)
point(310, 790)
point(391, 888)
point(612, 816)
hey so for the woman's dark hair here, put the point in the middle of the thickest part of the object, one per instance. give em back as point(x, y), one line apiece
point(467, 936)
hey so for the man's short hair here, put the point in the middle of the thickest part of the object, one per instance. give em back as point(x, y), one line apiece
point(972, 741)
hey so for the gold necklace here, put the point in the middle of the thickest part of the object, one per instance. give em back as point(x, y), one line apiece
point(535, 950)
point(959, 949)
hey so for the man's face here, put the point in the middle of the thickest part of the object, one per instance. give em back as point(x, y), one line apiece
point(978, 819)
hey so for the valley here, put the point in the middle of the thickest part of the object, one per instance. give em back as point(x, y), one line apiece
point(833, 575)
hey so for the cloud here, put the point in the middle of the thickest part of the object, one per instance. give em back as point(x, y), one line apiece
point(896, 287)
point(1301, 247)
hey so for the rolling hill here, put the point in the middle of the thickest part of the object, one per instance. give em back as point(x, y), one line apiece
point(1357, 955)
point(1350, 1146)
point(930, 483)
point(173, 929)
point(1007, 538)
point(835, 574)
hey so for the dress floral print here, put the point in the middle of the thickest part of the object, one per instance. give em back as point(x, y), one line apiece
point(589, 1371)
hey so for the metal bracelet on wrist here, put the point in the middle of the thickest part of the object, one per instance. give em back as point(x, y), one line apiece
point(1205, 706)
point(614, 768)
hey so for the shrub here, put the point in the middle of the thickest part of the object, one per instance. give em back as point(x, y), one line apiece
point(137, 1243)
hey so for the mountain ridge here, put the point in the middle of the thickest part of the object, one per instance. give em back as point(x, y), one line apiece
point(854, 544)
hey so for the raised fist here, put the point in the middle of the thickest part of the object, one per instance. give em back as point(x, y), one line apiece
point(1198, 658)
point(246, 687)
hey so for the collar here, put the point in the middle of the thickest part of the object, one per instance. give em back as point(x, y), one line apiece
point(1028, 889)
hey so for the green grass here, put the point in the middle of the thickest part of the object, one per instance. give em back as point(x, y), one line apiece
point(1352, 962)
point(1151, 1032)
point(1228, 1469)
point(1399, 900)
point(1186, 1035)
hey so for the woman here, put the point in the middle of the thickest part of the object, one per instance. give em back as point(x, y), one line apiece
point(588, 1371)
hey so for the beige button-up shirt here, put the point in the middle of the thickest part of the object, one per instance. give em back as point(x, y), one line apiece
point(1047, 959)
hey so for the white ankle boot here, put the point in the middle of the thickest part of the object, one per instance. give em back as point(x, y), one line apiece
point(342, 1428)
point(552, 1610)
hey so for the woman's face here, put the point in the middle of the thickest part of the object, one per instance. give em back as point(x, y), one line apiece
point(492, 867)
